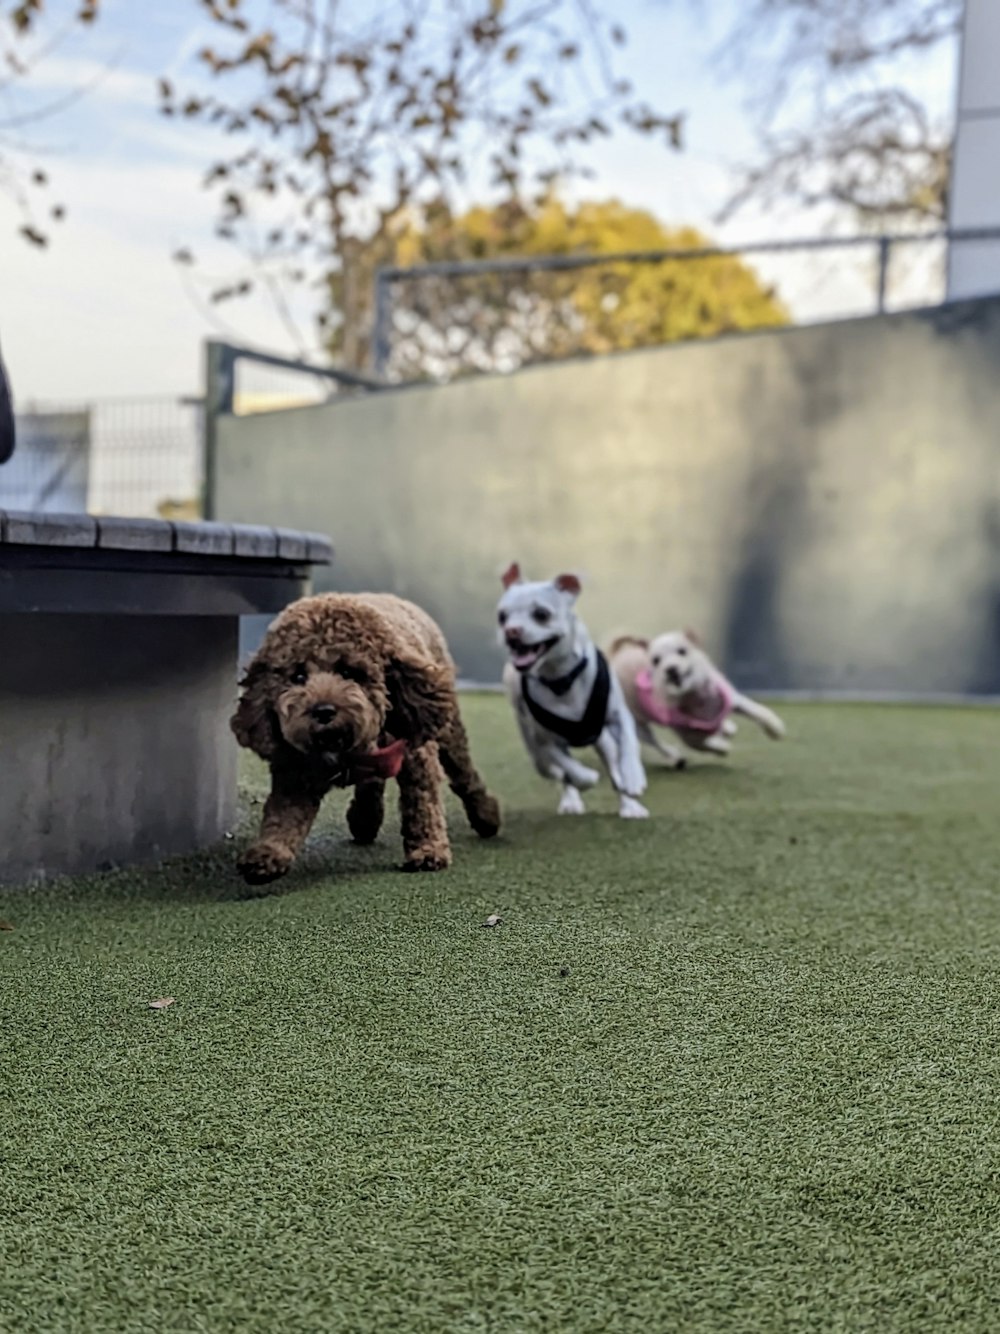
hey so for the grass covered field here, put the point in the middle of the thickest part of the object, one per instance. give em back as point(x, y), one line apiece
point(736, 1068)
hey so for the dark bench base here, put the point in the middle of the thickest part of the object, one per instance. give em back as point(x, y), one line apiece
point(114, 739)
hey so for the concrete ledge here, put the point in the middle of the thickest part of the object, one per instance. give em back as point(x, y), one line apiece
point(261, 543)
point(149, 567)
point(205, 539)
point(111, 533)
point(134, 535)
point(49, 530)
point(119, 644)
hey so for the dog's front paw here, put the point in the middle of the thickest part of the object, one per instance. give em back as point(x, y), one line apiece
point(571, 803)
point(265, 862)
point(428, 859)
point(630, 809)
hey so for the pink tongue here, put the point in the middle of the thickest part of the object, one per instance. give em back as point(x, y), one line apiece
point(384, 763)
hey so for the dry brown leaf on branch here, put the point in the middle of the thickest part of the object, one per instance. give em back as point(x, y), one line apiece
point(162, 1003)
point(6, 926)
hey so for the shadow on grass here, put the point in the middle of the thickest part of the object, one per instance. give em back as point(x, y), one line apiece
point(211, 876)
point(697, 770)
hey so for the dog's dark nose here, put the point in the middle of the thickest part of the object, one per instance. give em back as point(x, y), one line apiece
point(322, 713)
point(674, 676)
point(512, 636)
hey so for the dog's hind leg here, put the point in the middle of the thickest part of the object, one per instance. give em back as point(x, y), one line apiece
point(481, 807)
point(367, 810)
point(761, 715)
point(715, 745)
point(425, 832)
point(674, 758)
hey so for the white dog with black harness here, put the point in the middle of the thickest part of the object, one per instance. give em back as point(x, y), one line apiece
point(565, 696)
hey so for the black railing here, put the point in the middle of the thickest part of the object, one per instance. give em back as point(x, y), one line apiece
point(883, 246)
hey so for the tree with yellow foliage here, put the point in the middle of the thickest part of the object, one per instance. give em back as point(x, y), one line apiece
point(447, 326)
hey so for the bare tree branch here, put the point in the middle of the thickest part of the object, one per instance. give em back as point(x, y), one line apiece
point(349, 124)
point(837, 122)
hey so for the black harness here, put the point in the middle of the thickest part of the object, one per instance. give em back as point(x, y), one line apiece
point(575, 731)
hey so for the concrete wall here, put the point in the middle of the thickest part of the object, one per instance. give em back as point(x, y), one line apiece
point(822, 503)
point(974, 201)
point(114, 739)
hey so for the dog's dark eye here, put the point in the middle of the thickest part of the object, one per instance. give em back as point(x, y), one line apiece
point(351, 672)
point(300, 675)
point(502, 617)
point(656, 661)
point(542, 615)
point(681, 651)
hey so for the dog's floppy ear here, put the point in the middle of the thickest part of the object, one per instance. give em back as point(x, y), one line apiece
point(512, 575)
point(421, 697)
point(694, 638)
point(569, 584)
point(254, 724)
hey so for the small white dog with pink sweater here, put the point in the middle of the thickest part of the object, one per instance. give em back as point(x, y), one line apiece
point(672, 682)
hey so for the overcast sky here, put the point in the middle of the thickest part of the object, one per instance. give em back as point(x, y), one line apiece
point(104, 311)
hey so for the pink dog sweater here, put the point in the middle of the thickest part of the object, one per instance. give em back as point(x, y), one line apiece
point(671, 716)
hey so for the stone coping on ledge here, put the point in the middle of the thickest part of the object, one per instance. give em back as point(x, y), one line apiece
point(108, 533)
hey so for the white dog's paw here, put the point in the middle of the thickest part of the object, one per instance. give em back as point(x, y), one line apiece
point(571, 803)
point(630, 809)
point(774, 727)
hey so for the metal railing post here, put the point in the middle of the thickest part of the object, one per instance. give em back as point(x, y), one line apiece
point(382, 323)
point(884, 246)
point(219, 397)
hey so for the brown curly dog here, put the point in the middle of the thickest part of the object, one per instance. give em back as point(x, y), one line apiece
point(349, 690)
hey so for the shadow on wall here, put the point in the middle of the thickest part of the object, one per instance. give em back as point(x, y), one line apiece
point(984, 665)
point(752, 641)
point(753, 637)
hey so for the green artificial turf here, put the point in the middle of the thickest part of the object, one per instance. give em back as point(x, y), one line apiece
point(732, 1069)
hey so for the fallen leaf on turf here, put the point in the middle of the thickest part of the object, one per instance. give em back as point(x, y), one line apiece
point(6, 926)
point(162, 1003)
point(494, 919)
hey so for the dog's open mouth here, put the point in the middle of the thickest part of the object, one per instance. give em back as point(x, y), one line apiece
point(524, 656)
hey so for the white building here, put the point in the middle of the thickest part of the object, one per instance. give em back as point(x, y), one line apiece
point(974, 266)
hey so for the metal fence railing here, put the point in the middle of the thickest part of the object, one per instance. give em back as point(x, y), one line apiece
point(140, 457)
point(241, 381)
point(461, 316)
point(154, 456)
point(149, 457)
